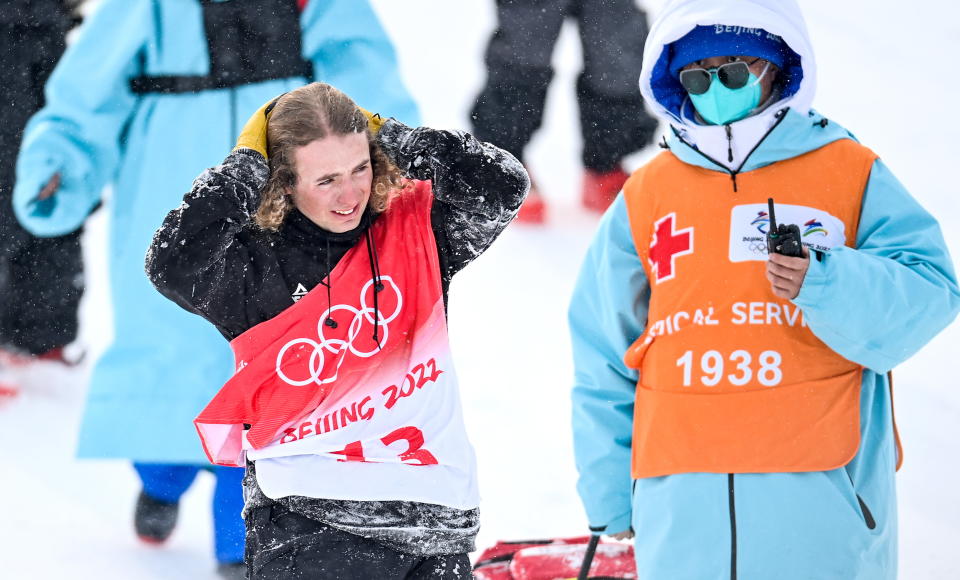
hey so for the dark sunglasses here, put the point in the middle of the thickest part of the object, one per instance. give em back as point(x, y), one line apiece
point(733, 75)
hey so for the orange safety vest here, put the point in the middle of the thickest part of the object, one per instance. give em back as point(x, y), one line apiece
point(731, 379)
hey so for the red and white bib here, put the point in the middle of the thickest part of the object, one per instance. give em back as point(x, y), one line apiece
point(330, 413)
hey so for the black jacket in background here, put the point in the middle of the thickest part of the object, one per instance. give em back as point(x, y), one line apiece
point(41, 279)
point(613, 120)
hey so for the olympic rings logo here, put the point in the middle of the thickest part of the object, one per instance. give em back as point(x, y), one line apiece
point(758, 248)
point(337, 346)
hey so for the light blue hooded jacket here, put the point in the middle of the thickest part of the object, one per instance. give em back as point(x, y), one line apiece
point(876, 305)
point(165, 364)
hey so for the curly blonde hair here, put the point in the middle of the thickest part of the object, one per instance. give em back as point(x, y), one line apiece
point(300, 117)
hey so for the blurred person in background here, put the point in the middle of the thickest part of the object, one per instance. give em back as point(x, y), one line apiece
point(41, 278)
point(732, 405)
point(148, 95)
point(613, 122)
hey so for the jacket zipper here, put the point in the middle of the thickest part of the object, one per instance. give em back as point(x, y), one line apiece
point(731, 499)
point(729, 131)
point(780, 115)
point(867, 516)
point(864, 510)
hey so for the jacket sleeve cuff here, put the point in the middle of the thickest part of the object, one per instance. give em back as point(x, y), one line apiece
point(391, 137)
point(619, 524)
point(250, 151)
point(60, 214)
point(814, 283)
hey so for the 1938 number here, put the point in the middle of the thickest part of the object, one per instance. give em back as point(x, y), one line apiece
point(712, 368)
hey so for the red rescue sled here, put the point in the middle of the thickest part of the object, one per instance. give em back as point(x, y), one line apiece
point(556, 559)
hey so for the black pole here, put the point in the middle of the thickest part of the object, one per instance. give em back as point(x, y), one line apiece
point(588, 557)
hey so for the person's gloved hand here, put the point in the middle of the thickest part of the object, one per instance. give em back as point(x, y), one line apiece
point(254, 133)
point(374, 120)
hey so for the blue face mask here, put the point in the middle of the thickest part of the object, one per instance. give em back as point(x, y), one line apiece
point(720, 105)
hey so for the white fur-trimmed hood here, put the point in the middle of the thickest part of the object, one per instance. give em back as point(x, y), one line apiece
point(663, 94)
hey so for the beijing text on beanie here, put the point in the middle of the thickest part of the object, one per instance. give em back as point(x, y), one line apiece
point(718, 40)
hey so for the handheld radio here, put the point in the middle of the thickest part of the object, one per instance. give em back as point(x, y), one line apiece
point(784, 238)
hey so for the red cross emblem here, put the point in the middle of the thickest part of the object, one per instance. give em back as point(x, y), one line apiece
point(667, 245)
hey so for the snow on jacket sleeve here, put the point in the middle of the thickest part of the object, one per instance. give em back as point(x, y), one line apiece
point(351, 51)
point(196, 258)
point(477, 187)
point(608, 311)
point(78, 132)
point(880, 303)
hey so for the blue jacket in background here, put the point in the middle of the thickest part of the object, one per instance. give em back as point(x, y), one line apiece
point(165, 364)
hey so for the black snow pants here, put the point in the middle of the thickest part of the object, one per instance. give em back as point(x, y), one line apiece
point(41, 279)
point(613, 121)
point(282, 545)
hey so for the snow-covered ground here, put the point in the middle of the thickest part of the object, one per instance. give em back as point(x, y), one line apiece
point(884, 73)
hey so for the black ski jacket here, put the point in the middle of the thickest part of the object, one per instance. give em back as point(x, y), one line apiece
point(210, 258)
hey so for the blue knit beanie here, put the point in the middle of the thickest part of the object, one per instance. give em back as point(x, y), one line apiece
point(710, 41)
